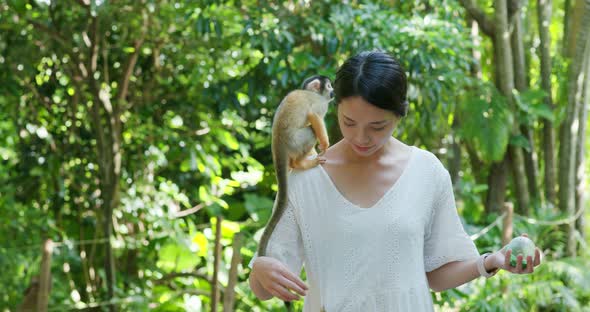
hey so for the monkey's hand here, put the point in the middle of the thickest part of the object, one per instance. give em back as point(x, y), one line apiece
point(324, 147)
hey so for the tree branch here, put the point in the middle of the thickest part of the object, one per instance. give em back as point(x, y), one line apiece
point(484, 21)
point(93, 46)
point(84, 3)
point(187, 212)
point(54, 34)
point(132, 60)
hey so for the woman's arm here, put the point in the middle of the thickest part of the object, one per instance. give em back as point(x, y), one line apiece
point(457, 273)
point(277, 274)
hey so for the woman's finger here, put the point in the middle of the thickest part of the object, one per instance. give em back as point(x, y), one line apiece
point(507, 258)
point(292, 277)
point(293, 286)
point(529, 264)
point(283, 294)
point(519, 264)
point(537, 256)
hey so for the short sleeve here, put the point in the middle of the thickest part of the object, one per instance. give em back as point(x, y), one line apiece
point(445, 239)
point(285, 243)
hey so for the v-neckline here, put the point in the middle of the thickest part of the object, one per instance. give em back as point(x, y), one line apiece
point(389, 190)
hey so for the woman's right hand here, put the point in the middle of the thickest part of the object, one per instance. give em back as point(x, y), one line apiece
point(276, 279)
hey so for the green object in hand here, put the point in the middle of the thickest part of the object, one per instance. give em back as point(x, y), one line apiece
point(521, 246)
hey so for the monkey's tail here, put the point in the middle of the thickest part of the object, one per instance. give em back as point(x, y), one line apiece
point(281, 164)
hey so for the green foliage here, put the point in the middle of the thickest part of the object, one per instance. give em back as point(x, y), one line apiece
point(195, 132)
point(486, 122)
point(557, 285)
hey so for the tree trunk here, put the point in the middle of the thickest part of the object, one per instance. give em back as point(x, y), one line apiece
point(107, 148)
point(580, 152)
point(505, 82)
point(497, 179)
point(567, 8)
point(477, 166)
point(104, 117)
point(521, 83)
point(574, 23)
point(455, 158)
point(571, 125)
point(498, 29)
point(544, 19)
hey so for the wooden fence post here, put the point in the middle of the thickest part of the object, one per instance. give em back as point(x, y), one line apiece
point(216, 262)
point(45, 277)
point(507, 228)
point(236, 259)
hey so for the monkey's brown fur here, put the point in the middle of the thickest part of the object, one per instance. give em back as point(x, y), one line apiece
point(297, 125)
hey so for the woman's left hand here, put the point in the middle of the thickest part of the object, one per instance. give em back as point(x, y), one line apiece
point(501, 259)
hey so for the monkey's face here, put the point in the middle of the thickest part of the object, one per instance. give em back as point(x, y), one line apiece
point(364, 126)
point(320, 84)
point(328, 90)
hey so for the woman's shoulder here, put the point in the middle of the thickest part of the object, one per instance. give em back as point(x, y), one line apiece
point(429, 157)
point(299, 178)
point(302, 175)
point(429, 161)
point(305, 184)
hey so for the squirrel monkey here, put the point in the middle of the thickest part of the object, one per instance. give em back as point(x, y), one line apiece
point(298, 124)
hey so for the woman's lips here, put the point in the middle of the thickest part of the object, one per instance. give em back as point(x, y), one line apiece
point(362, 148)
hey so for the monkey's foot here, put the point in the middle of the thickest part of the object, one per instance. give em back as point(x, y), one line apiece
point(305, 163)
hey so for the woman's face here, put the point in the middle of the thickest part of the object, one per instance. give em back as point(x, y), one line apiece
point(364, 126)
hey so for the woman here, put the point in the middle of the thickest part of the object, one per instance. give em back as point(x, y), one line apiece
point(376, 224)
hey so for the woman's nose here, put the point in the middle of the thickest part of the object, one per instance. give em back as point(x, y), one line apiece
point(363, 138)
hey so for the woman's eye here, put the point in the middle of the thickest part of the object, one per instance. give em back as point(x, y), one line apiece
point(378, 129)
point(348, 124)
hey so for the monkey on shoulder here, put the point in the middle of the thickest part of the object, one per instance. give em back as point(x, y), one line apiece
point(298, 124)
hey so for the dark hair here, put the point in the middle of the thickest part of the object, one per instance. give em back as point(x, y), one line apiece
point(376, 77)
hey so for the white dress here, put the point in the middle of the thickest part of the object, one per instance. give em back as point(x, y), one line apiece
point(371, 259)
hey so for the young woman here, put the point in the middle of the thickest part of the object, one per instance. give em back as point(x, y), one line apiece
point(376, 225)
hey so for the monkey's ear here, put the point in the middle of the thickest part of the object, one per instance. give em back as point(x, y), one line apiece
point(314, 85)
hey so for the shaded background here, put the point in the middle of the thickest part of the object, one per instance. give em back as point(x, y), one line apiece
point(128, 129)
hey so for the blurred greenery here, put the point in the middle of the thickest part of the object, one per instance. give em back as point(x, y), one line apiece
point(174, 99)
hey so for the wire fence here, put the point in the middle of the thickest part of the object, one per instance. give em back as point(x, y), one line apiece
point(131, 299)
point(84, 306)
point(71, 243)
point(533, 221)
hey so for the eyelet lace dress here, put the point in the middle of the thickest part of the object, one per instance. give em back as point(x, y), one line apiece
point(371, 259)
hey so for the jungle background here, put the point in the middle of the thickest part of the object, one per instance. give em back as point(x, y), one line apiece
point(131, 129)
